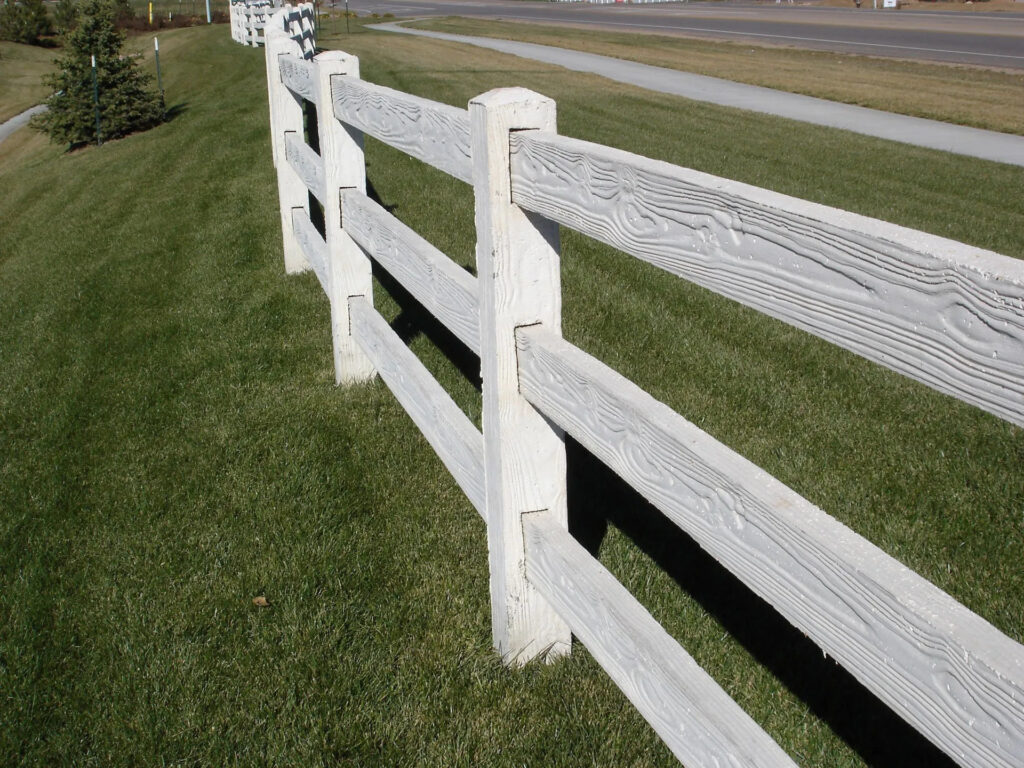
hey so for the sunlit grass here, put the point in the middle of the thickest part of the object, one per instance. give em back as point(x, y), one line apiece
point(172, 445)
point(21, 77)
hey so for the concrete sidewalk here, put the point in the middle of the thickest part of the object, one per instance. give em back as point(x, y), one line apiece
point(16, 122)
point(932, 134)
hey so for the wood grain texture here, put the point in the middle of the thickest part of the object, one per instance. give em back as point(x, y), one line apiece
point(945, 670)
point(943, 313)
point(435, 133)
point(698, 721)
point(307, 164)
point(448, 430)
point(348, 267)
point(313, 246)
point(300, 76)
point(447, 291)
point(517, 261)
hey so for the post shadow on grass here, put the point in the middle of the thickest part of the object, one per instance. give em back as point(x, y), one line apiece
point(414, 319)
point(175, 110)
point(598, 497)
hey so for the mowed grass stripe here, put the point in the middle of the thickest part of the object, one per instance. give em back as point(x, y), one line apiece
point(21, 77)
point(171, 445)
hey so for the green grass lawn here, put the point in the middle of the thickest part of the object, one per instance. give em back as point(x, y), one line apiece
point(21, 77)
point(172, 445)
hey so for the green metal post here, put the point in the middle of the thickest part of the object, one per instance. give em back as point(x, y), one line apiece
point(96, 101)
point(159, 79)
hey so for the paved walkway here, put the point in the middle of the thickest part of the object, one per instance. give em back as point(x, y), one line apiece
point(6, 129)
point(973, 142)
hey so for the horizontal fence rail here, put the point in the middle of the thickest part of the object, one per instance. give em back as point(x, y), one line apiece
point(448, 430)
point(313, 246)
point(449, 292)
point(937, 311)
point(307, 165)
point(944, 669)
point(299, 76)
point(940, 312)
point(694, 717)
point(435, 133)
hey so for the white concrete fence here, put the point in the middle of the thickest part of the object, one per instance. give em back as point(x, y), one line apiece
point(249, 19)
point(943, 313)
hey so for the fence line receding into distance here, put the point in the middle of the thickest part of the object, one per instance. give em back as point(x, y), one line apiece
point(940, 312)
point(249, 19)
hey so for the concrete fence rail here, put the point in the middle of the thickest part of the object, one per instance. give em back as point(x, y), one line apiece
point(249, 19)
point(943, 313)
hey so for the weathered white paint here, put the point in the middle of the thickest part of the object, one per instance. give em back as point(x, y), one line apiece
point(286, 116)
point(435, 133)
point(344, 169)
point(447, 291)
point(951, 674)
point(313, 246)
point(685, 706)
point(518, 265)
point(941, 312)
point(448, 430)
point(300, 77)
point(307, 164)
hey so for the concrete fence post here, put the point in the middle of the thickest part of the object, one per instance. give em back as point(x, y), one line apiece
point(348, 267)
point(524, 454)
point(285, 117)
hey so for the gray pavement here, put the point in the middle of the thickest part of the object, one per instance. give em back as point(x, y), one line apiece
point(16, 122)
point(932, 134)
point(976, 38)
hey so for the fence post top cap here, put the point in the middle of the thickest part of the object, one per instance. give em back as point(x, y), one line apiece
point(335, 56)
point(500, 97)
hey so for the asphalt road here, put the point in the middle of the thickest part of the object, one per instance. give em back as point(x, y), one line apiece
point(978, 38)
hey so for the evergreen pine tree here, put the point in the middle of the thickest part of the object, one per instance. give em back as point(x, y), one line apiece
point(127, 102)
point(24, 22)
point(65, 16)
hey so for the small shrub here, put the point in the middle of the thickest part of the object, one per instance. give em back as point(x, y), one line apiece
point(25, 22)
point(127, 101)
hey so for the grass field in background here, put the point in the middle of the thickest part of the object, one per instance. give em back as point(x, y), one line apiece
point(21, 71)
point(172, 445)
point(956, 94)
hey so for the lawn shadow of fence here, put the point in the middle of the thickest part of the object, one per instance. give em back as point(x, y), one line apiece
point(414, 319)
point(599, 498)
